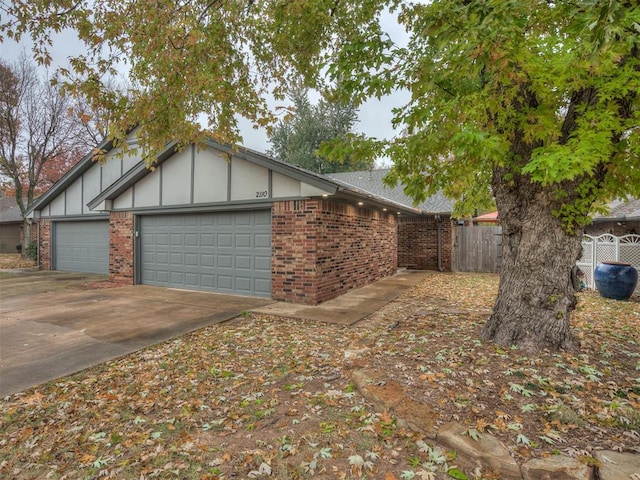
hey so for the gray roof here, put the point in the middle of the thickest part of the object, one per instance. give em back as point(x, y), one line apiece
point(621, 210)
point(9, 210)
point(372, 181)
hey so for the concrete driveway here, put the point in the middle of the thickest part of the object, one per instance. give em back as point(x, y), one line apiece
point(54, 324)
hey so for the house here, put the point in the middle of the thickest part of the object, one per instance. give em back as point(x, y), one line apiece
point(233, 221)
point(10, 225)
point(623, 219)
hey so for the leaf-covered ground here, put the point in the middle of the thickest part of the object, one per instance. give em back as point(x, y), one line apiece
point(15, 260)
point(265, 396)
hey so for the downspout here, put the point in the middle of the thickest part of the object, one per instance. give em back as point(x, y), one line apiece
point(438, 219)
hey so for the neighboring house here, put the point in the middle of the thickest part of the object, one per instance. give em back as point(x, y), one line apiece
point(10, 225)
point(233, 221)
point(623, 219)
point(490, 218)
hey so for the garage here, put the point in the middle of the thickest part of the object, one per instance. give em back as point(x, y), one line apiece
point(216, 218)
point(226, 252)
point(82, 246)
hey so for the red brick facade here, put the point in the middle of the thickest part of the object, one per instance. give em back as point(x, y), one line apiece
point(121, 247)
point(321, 249)
point(418, 243)
point(44, 247)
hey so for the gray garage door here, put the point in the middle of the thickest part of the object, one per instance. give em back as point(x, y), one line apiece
point(82, 246)
point(226, 252)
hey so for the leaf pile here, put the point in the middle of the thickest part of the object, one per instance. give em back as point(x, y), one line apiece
point(270, 397)
point(15, 260)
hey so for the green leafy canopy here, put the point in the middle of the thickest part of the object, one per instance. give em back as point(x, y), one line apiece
point(500, 91)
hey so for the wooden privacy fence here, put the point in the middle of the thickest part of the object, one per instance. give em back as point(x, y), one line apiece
point(477, 249)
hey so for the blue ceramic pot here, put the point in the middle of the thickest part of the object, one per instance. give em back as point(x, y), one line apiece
point(616, 280)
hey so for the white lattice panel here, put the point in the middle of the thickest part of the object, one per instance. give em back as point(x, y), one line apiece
point(586, 260)
point(596, 250)
point(630, 250)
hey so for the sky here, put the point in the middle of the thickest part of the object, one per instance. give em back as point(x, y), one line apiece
point(374, 116)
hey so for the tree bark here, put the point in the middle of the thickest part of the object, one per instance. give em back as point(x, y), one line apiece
point(26, 237)
point(536, 293)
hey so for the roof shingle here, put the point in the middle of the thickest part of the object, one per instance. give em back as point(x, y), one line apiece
point(9, 210)
point(372, 181)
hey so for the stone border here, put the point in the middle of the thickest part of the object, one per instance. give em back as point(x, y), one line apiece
point(487, 453)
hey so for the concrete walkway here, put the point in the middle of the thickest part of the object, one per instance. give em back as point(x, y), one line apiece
point(352, 306)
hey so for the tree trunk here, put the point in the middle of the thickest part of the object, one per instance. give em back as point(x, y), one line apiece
point(536, 293)
point(26, 236)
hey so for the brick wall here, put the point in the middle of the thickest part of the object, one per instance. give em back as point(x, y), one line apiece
point(320, 249)
point(418, 243)
point(121, 256)
point(356, 247)
point(44, 248)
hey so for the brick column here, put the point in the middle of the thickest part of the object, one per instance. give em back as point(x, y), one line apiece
point(293, 251)
point(121, 247)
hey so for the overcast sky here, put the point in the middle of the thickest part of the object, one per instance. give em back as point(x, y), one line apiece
point(374, 116)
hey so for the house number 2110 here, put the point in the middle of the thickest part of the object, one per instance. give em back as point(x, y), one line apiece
point(263, 194)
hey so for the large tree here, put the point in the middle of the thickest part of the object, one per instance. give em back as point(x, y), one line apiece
point(38, 136)
point(533, 102)
point(43, 132)
point(298, 136)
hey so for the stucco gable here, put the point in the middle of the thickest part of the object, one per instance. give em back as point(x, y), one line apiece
point(208, 175)
point(70, 195)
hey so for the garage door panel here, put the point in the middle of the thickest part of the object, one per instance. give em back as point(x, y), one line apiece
point(226, 252)
point(263, 285)
point(224, 219)
point(207, 240)
point(225, 261)
point(262, 241)
point(244, 284)
point(243, 262)
point(225, 282)
point(243, 240)
point(263, 264)
point(207, 260)
point(190, 221)
point(162, 276)
point(191, 239)
point(192, 279)
point(82, 246)
point(225, 240)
